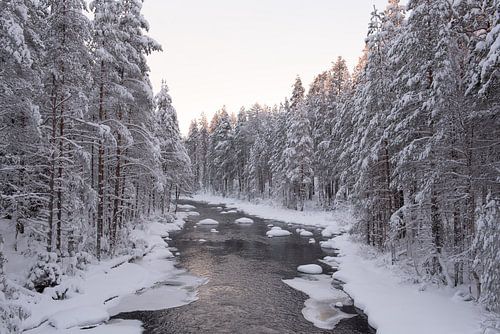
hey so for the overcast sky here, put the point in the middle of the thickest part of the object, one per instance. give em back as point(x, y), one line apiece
point(236, 52)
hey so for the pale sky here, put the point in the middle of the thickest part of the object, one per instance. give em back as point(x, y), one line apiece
point(236, 53)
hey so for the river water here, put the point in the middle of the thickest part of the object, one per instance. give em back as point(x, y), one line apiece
point(245, 292)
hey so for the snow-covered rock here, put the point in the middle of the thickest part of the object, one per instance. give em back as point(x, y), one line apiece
point(244, 220)
point(208, 221)
point(305, 233)
point(277, 232)
point(312, 241)
point(186, 207)
point(312, 269)
point(214, 231)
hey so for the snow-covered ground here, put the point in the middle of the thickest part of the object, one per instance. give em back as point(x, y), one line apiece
point(145, 281)
point(394, 304)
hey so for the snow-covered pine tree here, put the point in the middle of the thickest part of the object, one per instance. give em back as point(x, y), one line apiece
point(191, 143)
point(299, 151)
point(67, 60)
point(175, 160)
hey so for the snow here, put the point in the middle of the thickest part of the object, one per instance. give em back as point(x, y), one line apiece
point(128, 282)
point(186, 207)
point(79, 316)
point(304, 233)
point(312, 269)
point(320, 307)
point(277, 232)
point(229, 211)
point(115, 326)
point(244, 220)
point(329, 244)
point(335, 221)
point(192, 213)
point(312, 241)
point(213, 230)
point(208, 221)
point(394, 304)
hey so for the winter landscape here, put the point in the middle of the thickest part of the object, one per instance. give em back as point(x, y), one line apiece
point(362, 199)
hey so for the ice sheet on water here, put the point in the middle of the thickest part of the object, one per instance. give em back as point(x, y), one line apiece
point(320, 307)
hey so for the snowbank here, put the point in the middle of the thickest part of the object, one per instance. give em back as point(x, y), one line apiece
point(79, 316)
point(112, 286)
point(336, 221)
point(393, 305)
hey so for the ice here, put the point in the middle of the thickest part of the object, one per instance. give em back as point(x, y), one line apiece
point(173, 293)
point(244, 220)
point(310, 269)
point(208, 221)
point(277, 232)
point(79, 316)
point(320, 307)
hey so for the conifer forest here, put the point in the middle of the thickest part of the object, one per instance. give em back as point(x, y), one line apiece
point(394, 164)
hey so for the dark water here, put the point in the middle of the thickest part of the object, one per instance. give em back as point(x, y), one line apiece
point(245, 292)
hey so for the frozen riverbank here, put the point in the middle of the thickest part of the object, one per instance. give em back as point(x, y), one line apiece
point(146, 279)
point(392, 303)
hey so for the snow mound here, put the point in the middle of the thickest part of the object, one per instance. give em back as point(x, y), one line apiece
point(244, 220)
point(79, 316)
point(277, 232)
point(329, 244)
point(208, 221)
point(304, 233)
point(313, 269)
point(193, 213)
point(186, 207)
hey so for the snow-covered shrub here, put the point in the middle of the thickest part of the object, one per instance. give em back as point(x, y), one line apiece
point(83, 259)
point(66, 290)
point(45, 273)
point(11, 314)
point(487, 252)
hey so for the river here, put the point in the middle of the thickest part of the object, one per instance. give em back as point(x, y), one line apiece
point(245, 292)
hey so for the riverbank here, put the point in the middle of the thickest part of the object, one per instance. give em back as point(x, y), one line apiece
point(385, 292)
point(92, 296)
